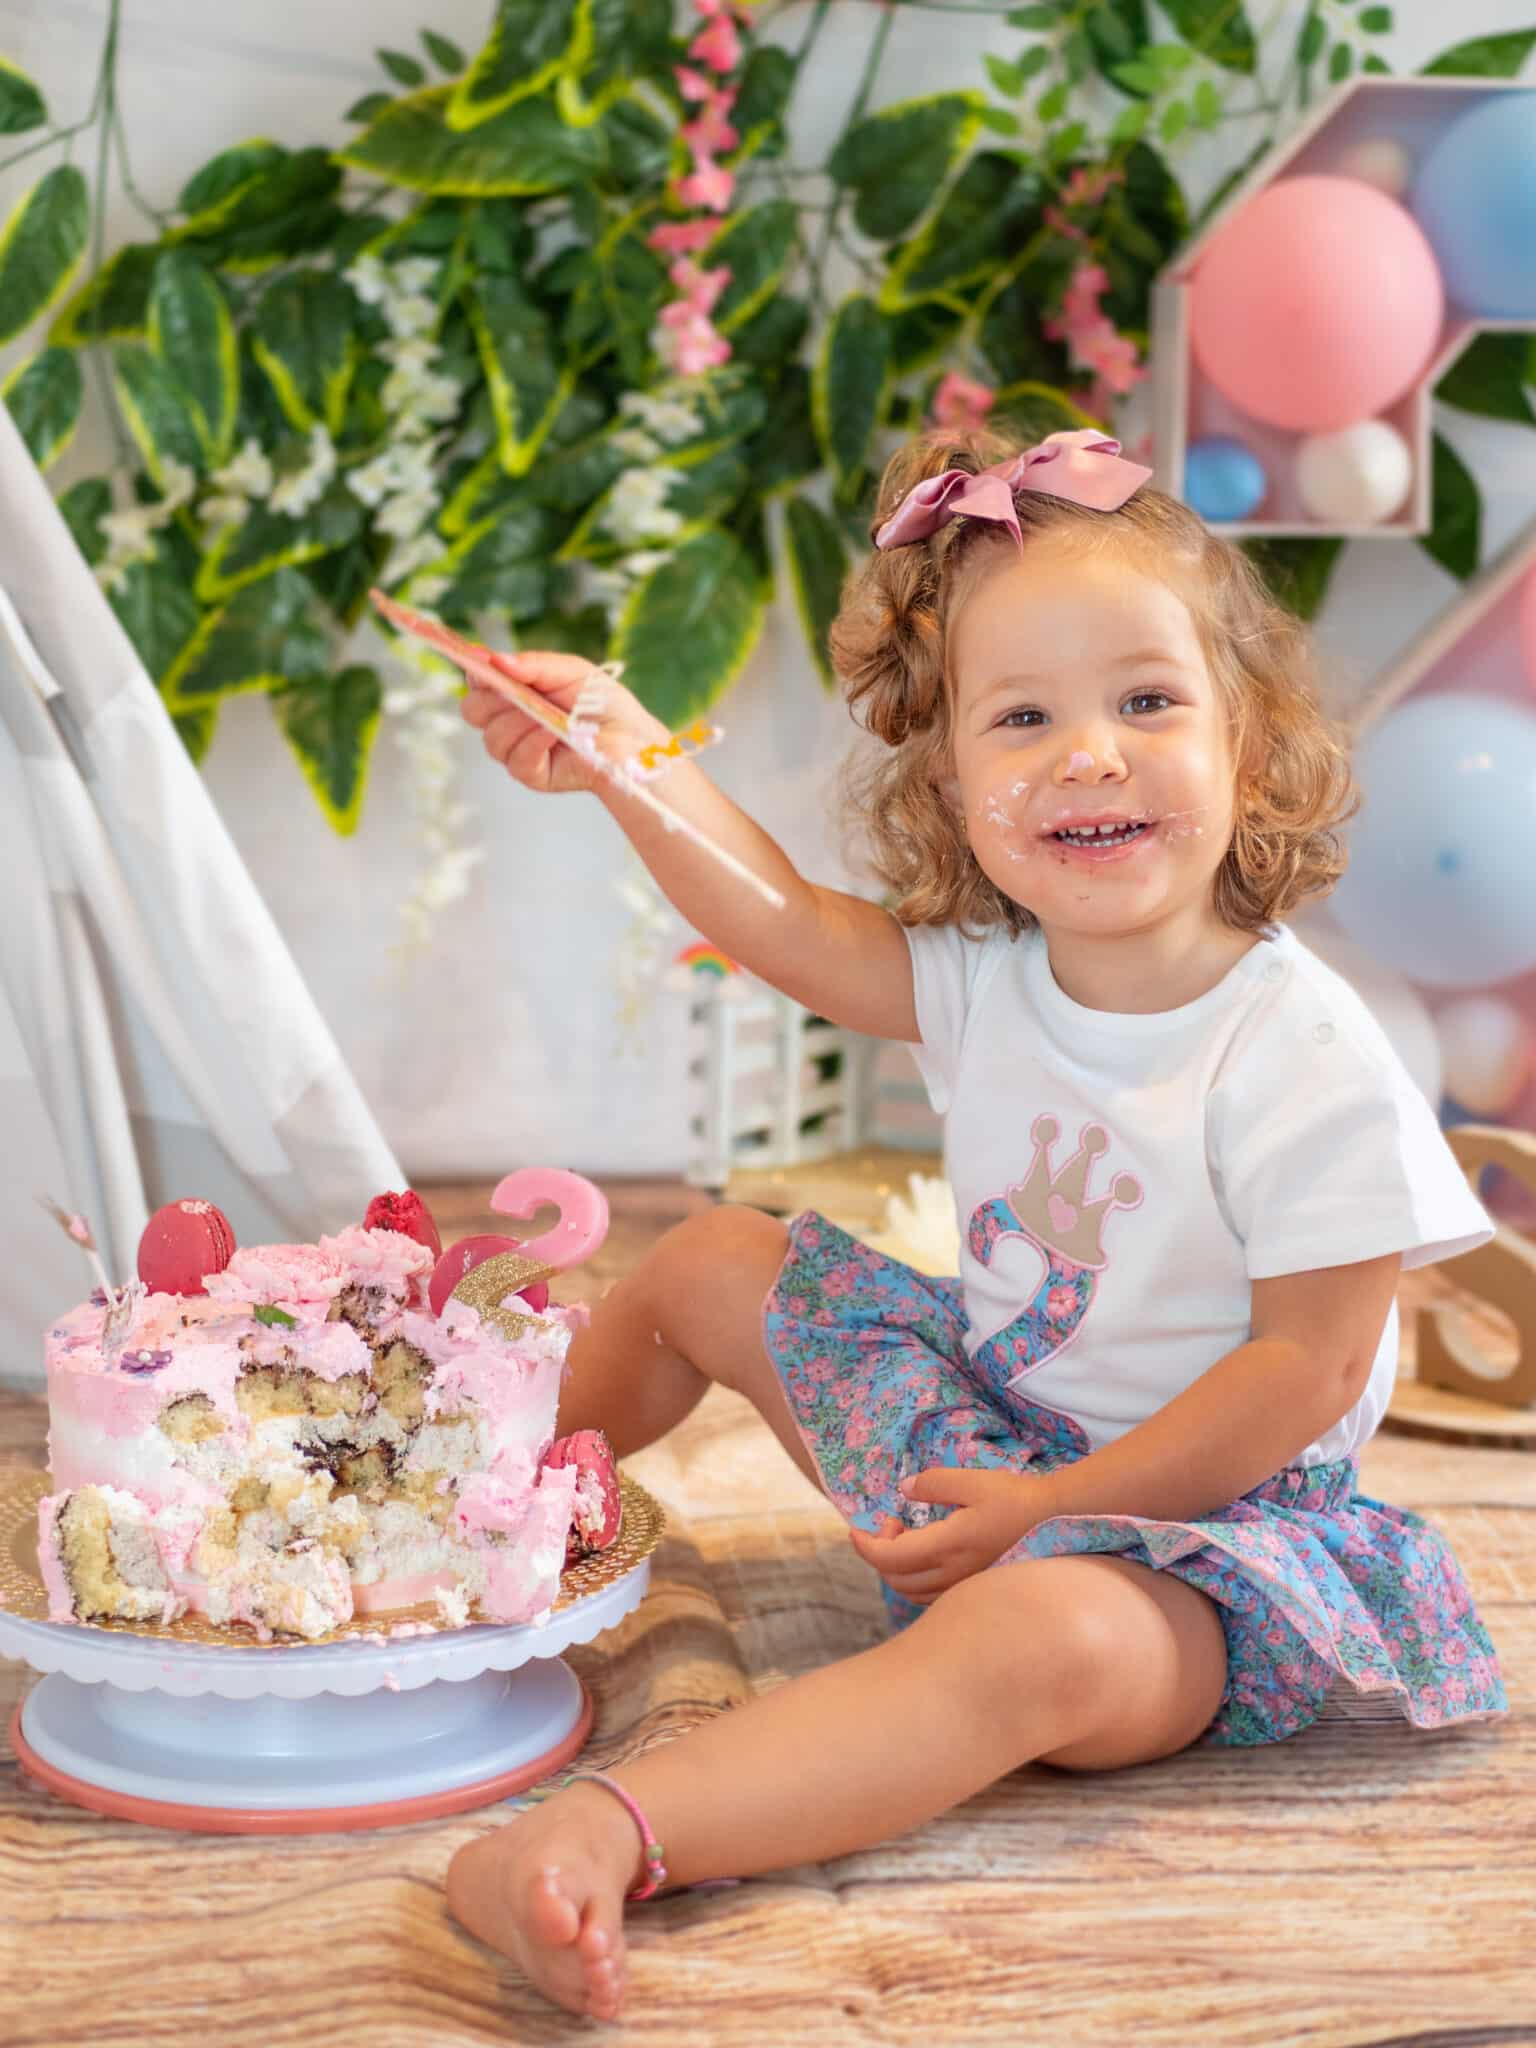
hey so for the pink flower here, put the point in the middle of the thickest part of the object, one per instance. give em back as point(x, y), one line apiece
point(681, 237)
point(1057, 221)
point(295, 1275)
point(1061, 1303)
point(1111, 355)
point(700, 288)
point(1087, 187)
point(960, 402)
point(709, 185)
point(711, 133)
point(718, 46)
point(693, 85)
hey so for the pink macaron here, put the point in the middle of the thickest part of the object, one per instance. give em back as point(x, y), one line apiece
point(182, 1244)
point(599, 1510)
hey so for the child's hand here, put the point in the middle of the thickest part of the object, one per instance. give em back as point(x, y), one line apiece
point(994, 1508)
point(612, 717)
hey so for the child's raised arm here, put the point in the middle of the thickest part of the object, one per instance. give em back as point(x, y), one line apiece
point(843, 958)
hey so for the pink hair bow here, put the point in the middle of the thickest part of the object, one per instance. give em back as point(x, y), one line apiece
point(1081, 465)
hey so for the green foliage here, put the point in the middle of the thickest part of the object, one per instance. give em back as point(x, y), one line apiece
point(440, 336)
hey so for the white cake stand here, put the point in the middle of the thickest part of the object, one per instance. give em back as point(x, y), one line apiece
point(308, 1738)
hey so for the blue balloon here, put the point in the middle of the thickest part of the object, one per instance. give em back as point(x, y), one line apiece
point(1223, 478)
point(1475, 198)
point(1441, 882)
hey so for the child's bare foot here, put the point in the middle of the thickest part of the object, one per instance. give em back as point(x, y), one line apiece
point(548, 1890)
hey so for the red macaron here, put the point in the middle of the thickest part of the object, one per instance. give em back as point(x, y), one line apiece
point(593, 1526)
point(183, 1243)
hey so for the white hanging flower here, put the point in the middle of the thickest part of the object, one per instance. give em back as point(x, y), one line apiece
point(637, 509)
point(297, 492)
point(636, 444)
point(669, 419)
point(249, 473)
point(369, 279)
point(219, 512)
point(406, 514)
point(177, 487)
point(644, 562)
point(410, 555)
point(411, 314)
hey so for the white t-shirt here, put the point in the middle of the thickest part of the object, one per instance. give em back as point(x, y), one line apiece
point(1267, 1127)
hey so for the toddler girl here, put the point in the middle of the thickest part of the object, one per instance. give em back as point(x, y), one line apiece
point(1107, 1476)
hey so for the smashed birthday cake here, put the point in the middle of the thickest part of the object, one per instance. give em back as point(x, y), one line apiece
point(285, 1436)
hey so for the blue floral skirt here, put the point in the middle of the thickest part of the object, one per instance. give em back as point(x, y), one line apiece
point(1318, 1587)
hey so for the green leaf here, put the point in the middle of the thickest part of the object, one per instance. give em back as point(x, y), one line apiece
point(1376, 21)
point(1206, 104)
point(191, 331)
point(1484, 56)
point(1001, 122)
point(265, 1313)
point(302, 336)
point(1174, 121)
point(370, 105)
point(84, 506)
point(1297, 570)
point(1008, 78)
point(156, 411)
point(849, 383)
point(403, 69)
point(21, 104)
point(1032, 17)
point(502, 566)
point(772, 337)
point(211, 195)
point(895, 160)
point(526, 149)
point(755, 247)
point(528, 382)
point(786, 449)
point(1034, 60)
point(44, 399)
point(1376, 66)
point(1309, 44)
point(640, 147)
point(1129, 123)
point(818, 564)
point(767, 81)
point(1053, 101)
point(265, 540)
point(1116, 30)
point(1490, 377)
point(991, 208)
point(687, 629)
point(1456, 517)
point(1216, 29)
point(330, 723)
point(445, 53)
point(263, 637)
point(1341, 61)
point(531, 44)
point(40, 247)
point(271, 215)
point(157, 611)
point(114, 305)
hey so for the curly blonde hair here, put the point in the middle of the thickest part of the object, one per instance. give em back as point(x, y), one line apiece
point(889, 644)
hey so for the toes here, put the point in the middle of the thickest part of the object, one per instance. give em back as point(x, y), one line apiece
point(601, 1946)
point(552, 1916)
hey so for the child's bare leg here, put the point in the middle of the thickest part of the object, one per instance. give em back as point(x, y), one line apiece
point(689, 1313)
point(1091, 1662)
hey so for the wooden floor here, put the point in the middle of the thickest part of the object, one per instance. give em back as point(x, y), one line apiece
point(1359, 1884)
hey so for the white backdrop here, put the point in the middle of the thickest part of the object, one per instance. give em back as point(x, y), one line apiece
point(500, 1045)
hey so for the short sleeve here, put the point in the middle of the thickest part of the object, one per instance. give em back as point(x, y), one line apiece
point(949, 973)
point(1336, 1157)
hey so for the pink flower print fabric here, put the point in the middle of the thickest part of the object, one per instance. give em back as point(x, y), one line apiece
point(1315, 1582)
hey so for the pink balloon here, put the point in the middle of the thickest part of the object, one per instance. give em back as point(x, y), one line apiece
point(1527, 626)
point(1319, 304)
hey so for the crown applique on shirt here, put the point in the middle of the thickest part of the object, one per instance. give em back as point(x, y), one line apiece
point(1052, 1207)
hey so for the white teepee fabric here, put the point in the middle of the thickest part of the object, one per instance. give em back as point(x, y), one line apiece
point(155, 1038)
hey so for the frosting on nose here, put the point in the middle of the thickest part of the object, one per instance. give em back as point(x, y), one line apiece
point(1080, 763)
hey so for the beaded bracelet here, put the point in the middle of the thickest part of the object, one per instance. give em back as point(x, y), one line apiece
point(656, 1870)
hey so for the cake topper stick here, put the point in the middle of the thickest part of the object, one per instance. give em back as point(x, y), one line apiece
point(476, 663)
point(77, 1229)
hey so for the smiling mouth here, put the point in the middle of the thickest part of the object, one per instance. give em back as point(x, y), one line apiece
point(1096, 836)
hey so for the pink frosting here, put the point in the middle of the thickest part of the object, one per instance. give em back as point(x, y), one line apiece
point(292, 1275)
point(383, 1258)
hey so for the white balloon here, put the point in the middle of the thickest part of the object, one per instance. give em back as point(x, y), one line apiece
point(1396, 1005)
point(1486, 1048)
point(1381, 162)
point(1355, 477)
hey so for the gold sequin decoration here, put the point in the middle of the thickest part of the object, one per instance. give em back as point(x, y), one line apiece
point(487, 1286)
point(22, 1591)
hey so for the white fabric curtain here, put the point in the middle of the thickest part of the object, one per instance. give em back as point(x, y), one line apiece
point(155, 1038)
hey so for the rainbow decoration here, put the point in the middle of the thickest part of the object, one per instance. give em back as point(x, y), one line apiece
point(702, 958)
